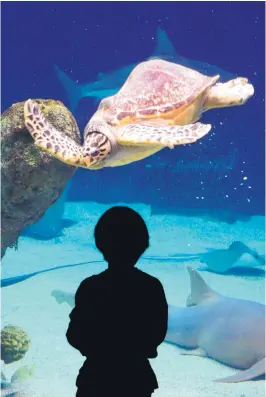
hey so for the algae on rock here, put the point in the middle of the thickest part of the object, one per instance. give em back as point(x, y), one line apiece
point(32, 179)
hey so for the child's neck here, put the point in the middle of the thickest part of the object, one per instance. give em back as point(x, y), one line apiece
point(121, 268)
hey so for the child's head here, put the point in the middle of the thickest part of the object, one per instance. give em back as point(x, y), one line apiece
point(121, 235)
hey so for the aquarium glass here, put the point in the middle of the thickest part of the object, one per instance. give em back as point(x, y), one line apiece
point(202, 197)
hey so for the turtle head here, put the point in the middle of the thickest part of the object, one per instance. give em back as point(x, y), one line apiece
point(99, 143)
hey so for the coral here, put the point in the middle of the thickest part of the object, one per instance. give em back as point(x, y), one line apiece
point(32, 180)
point(14, 343)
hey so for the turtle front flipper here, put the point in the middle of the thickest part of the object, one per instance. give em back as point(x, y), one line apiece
point(233, 93)
point(48, 138)
point(162, 135)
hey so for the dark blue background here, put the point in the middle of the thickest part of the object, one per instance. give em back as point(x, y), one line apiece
point(84, 38)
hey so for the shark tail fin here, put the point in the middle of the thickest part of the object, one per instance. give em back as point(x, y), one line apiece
point(73, 90)
point(200, 291)
point(254, 372)
point(164, 48)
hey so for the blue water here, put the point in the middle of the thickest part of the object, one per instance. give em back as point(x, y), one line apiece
point(196, 199)
point(84, 39)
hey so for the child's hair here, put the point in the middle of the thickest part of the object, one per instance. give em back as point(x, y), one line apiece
point(121, 231)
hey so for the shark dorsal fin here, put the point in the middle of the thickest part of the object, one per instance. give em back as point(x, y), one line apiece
point(100, 76)
point(200, 291)
point(164, 47)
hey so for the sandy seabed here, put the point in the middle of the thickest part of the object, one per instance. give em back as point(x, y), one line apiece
point(29, 304)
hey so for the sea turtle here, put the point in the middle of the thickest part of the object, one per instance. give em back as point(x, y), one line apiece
point(157, 107)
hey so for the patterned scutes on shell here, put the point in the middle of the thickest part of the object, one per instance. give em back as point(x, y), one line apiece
point(14, 343)
point(156, 88)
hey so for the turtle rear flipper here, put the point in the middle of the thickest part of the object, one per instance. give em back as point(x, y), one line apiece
point(162, 135)
point(49, 139)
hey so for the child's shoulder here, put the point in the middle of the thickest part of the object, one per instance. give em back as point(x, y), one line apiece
point(89, 281)
point(94, 279)
point(148, 277)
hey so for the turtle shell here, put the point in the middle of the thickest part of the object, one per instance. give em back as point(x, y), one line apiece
point(155, 89)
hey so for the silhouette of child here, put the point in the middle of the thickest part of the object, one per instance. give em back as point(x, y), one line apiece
point(120, 315)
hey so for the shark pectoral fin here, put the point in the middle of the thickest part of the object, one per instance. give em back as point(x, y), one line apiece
point(197, 352)
point(243, 376)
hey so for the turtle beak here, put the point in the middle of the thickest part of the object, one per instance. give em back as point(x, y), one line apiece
point(92, 163)
point(88, 161)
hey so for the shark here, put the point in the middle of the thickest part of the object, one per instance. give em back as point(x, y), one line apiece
point(237, 255)
point(108, 83)
point(226, 329)
point(217, 260)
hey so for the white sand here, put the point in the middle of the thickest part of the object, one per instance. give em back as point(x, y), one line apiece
point(30, 305)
